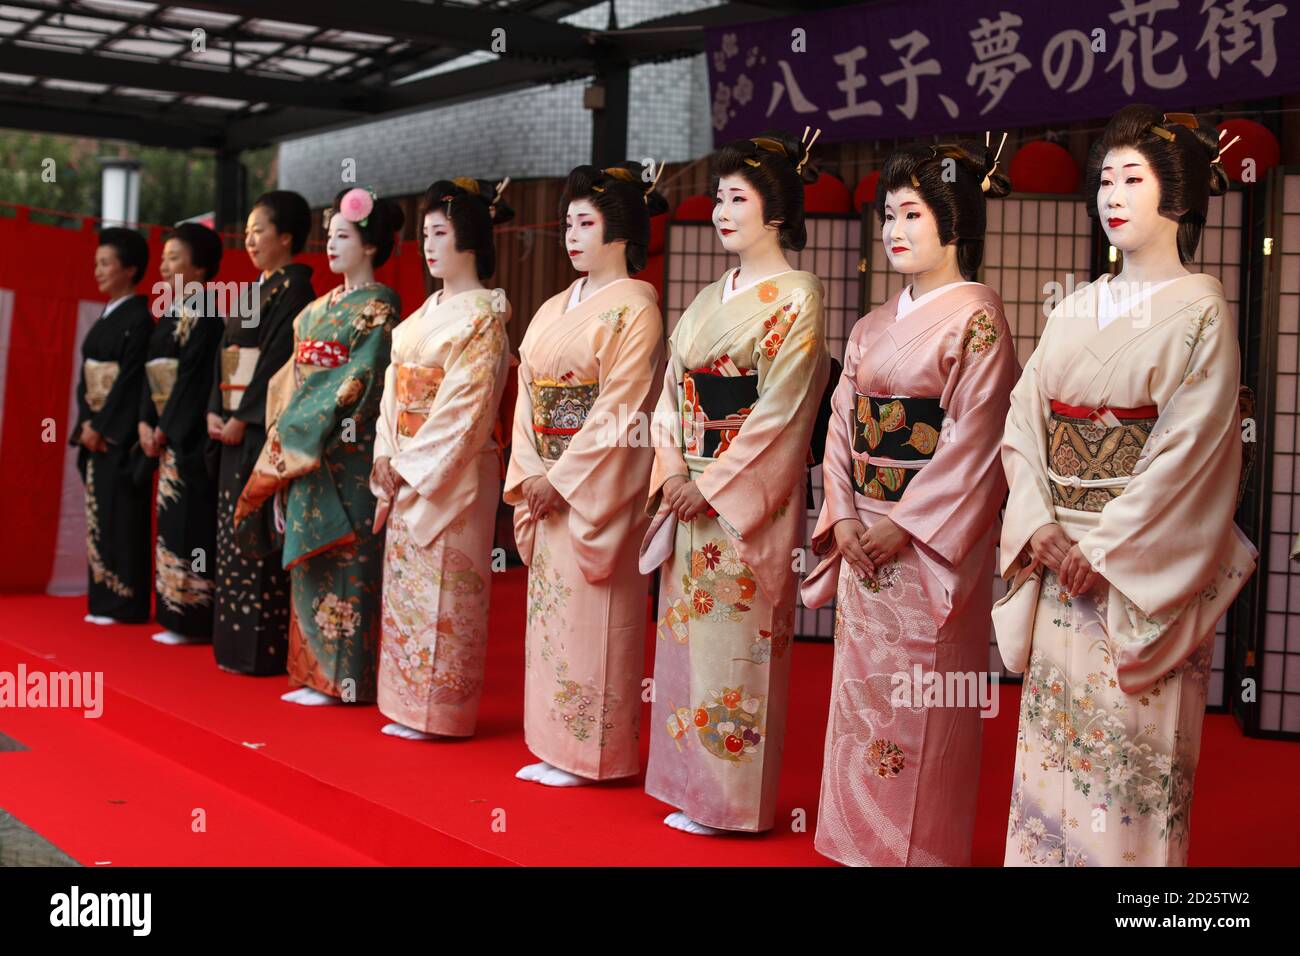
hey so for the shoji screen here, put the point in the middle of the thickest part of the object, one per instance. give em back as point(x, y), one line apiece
point(695, 258)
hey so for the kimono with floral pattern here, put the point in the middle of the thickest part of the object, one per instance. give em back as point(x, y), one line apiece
point(1116, 679)
point(321, 411)
point(901, 771)
point(436, 425)
point(727, 581)
point(587, 382)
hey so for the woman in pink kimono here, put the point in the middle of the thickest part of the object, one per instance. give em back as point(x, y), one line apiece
point(579, 464)
point(908, 523)
point(437, 472)
point(746, 374)
point(1123, 452)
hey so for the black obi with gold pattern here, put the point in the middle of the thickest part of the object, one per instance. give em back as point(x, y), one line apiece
point(903, 430)
point(714, 407)
point(1092, 455)
point(559, 411)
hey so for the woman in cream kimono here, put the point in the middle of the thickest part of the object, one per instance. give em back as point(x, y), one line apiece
point(747, 370)
point(1123, 451)
point(580, 461)
point(437, 472)
point(912, 489)
point(321, 412)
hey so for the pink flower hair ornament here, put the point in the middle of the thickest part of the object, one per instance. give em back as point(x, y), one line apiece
point(356, 205)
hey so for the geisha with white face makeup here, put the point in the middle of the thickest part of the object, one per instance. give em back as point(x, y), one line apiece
point(912, 485)
point(1123, 453)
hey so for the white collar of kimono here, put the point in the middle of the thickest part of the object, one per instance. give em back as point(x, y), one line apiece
point(906, 303)
point(728, 289)
point(576, 295)
point(115, 303)
point(1110, 307)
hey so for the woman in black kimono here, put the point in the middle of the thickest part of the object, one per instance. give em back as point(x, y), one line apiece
point(250, 632)
point(173, 430)
point(117, 510)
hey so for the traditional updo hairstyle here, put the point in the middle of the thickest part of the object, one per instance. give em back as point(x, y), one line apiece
point(473, 207)
point(130, 247)
point(380, 227)
point(959, 206)
point(1182, 154)
point(204, 245)
point(776, 165)
point(626, 203)
point(289, 213)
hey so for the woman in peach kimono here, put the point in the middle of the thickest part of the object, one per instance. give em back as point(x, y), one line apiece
point(1123, 452)
point(437, 472)
point(580, 461)
point(747, 370)
point(908, 523)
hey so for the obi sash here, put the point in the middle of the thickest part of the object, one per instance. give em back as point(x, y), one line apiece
point(237, 364)
point(100, 377)
point(559, 411)
point(1091, 452)
point(161, 373)
point(714, 407)
point(894, 436)
point(417, 385)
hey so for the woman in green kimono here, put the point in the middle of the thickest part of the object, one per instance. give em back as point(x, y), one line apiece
point(321, 411)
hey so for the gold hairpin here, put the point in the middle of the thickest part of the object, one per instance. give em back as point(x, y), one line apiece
point(620, 173)
point(1188, 120)
point(501, 187)
point(645, 195)
point(467, 184)
point(807, 150)
point(1224, 149)
point(988, 177)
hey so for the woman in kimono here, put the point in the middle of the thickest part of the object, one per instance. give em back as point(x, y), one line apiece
point(1122, 452)
point(250, 631)
point(579, 465)
point(908, 524)
point(173, 408)
point(321, 410)
point(112, 369)
point(746, 373)
point(437, 471)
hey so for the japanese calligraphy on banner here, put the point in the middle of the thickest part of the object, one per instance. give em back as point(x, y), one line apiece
point(915, 67)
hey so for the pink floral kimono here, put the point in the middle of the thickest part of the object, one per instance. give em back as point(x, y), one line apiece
point(915, 435)
point(441, 396)
point(587, 382)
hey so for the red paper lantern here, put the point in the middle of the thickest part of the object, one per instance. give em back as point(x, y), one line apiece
point(828, 194)
point(694, 209)
point(1043, 167)
point(865, 193)
point(1258, 147)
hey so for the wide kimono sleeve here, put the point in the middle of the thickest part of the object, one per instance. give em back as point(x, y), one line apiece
point(666, 431)
point(184, 417)
point(147, 411)
point(606, 466)
point(316, 411)
point(275, 347)
point(949, 504)
point(525, 462)
point(838, 502)
point(1161, 542)
point(386, 423)
point(463, 413)
point(116, 421)
point(1024, 462)
point(767, 459)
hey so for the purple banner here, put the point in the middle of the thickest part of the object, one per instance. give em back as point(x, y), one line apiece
point(915, 67)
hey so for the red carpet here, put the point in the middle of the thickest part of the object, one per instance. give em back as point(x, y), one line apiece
point(323, 786)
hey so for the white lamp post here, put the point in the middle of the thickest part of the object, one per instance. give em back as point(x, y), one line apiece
point(120, 187)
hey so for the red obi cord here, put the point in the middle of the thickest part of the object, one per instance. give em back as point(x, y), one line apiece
point(543, 430)
point(323, 354)
point(1079, 411)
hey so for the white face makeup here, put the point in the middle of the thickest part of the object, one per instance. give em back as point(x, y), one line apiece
point(440, 252)
point(1128, 199)
point(738, 215)
point(343, 246)
point(584, 238)
point(910, 233)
